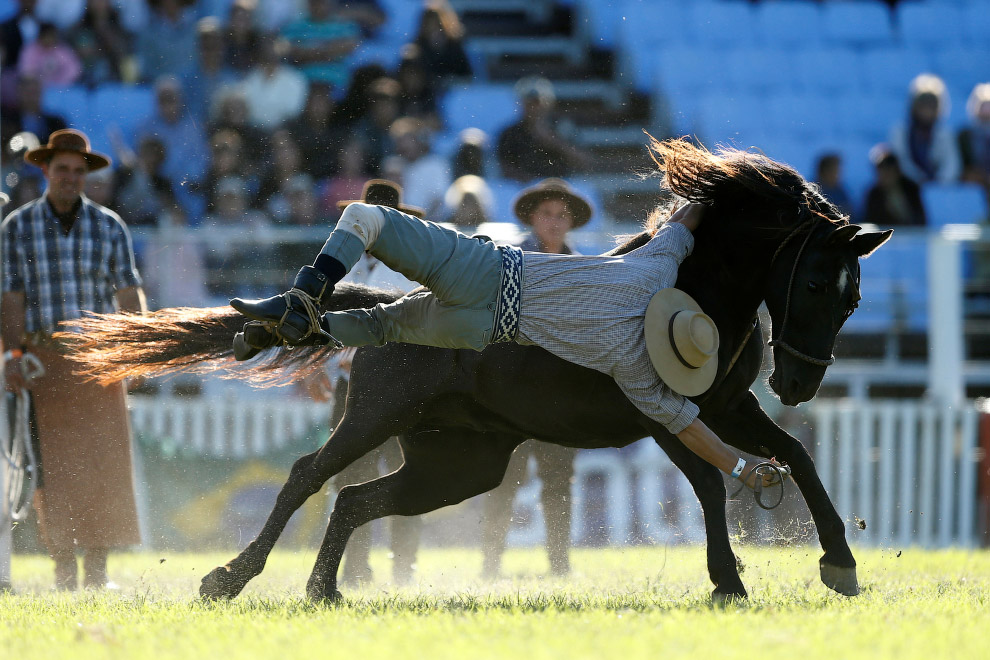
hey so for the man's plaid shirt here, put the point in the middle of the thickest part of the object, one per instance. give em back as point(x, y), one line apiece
point(63, 274)
point(590, 310)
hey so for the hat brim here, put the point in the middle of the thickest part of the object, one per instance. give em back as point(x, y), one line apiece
point(683, 380)
point(411, 210)
point(41, 155)
point(527, 202)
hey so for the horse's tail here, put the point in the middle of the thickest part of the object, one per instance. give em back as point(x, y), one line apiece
point(111, 347)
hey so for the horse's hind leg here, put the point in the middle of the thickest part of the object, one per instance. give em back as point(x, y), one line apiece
point(706, 480)
point(441, 468)
point(347, 443)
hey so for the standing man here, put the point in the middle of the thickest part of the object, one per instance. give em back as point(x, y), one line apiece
point(64, 255)
point(551, 209)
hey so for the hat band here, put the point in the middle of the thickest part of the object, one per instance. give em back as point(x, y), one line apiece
point(673, 344)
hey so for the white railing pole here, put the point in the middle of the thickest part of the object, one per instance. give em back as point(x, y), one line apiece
point(945, 324)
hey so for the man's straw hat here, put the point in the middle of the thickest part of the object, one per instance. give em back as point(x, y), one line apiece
point(682, 342)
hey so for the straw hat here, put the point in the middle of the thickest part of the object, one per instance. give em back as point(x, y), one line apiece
point(67, 139)
point(530, 198)
point(383, 193)
point(682, 342)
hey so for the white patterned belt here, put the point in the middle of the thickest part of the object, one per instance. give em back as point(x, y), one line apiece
point(510, 293)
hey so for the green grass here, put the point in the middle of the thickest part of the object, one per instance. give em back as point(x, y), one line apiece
point(632, 603)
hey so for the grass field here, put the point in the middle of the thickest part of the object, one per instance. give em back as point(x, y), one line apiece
point(621, 603)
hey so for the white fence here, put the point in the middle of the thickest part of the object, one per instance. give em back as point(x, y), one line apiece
point(908, 469)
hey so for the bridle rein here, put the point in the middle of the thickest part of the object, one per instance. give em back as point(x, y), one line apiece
point(809, 225)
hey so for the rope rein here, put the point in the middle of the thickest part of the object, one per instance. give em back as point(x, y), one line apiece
point(776, 473)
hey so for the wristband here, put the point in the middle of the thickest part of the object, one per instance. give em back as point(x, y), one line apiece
point(737, 471)
point(12, 354)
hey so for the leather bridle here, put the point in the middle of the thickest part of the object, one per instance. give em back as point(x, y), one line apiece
point(779, 339)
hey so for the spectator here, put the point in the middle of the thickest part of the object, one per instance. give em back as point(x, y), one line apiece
point(894, 199)
point(50, 59)
point(17, 32)
point(103, 45)
point(226, 160)
point(533, 147)
point(243, 37)
point(208, 73)
point(349, 179)
point(230, 263)
point(319, 42)
point(174, 126)
point(974, 139)
point(374, 128)
point(468, 202)
point(167, 43)
point(317, 136)
point(85, 499)
point(13, 169)
point(440, 38)
point(426, 175)
point(101, 188)
point(925, 146)
point(284, 163)
point(417, 98)
point(354, 106)
point(230, 112)
point(295, 204)
point(551, 209)
point(27, 114)
point(828, 176)
point(469, 158)
point(143, 191)
point(275, 92)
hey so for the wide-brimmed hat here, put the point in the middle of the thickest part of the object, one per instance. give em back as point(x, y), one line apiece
point(67, 139)
point(530, 198)
point(682, 342)
point(383, 193)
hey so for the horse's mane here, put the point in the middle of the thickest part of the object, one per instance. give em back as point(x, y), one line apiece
point(110, 347)
point(735, 182)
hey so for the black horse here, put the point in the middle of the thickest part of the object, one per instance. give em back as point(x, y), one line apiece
point(767, 236)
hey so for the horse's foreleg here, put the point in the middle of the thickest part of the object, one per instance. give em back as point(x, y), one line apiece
point(749, 428)
point(709, 487)
point(441, 468)
point(306, 478)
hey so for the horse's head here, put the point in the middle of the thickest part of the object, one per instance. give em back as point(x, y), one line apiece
point(814, 288)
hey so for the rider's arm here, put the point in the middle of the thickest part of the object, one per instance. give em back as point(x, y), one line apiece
point(700, 439)
point(12, 325)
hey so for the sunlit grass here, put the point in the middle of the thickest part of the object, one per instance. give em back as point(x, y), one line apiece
point(620, 603)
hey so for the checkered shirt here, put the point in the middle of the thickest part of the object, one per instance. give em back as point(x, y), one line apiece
point(62, 275)
point(590, 310)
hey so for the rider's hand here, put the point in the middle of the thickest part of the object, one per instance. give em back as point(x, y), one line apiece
point(767, 479)
point(689, 215)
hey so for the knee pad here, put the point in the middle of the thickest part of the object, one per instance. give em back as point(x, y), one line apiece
point(364, 221)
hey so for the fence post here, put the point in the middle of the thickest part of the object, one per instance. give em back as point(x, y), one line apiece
point(945, 326)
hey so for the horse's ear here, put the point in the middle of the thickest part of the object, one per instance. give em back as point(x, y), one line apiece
point(865, 244)
point(843, 234)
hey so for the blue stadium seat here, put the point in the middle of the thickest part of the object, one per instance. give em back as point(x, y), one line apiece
point(7, 9)
point(72, 103)
point(857, 22)
point(727, 23)
point(890, 70)
point(375, 51)
point(792, 25)
point(504, 191)
point(929, 25)
point(645, 29)
point(858, 172)
point(488, 107)
point(735, 119)
point(402, 20)
point(961, 203)
point(870, 116)
point(759, 69)
point(123, 107)
point(827, 70)
point(801, 115)
point(976, 24)
point(963, 66)
point(601, 21)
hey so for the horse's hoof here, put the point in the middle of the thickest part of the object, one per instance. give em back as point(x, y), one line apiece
point(220, 584)
point(722, 598)
point(842, 580)
point(324, 597)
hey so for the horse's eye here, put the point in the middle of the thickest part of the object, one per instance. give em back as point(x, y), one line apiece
point(812, 286)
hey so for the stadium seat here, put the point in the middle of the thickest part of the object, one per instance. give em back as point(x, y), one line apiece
point(402, 21)
point(801, 115)
point(645, 29)
point(976, 24)
point(827, 70)
point(727, 23)
point(72, 103)
point(375, 51)
point(735, 119)
point(791, 25)
point(963, 67)
point(858, 172)
point(929, 25)
point(961, 203)
point(857, 22)
point(8, 8)
point(124, 107)
point(870, 116)
point(488, 107)
point(759, 69)
point(891, 70)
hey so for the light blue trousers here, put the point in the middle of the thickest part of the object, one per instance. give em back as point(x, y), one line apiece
point(462, 273)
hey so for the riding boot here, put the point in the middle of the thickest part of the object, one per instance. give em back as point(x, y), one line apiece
point(95, 569)
point(291, 311)
point(66, 572)
point(357, 569)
